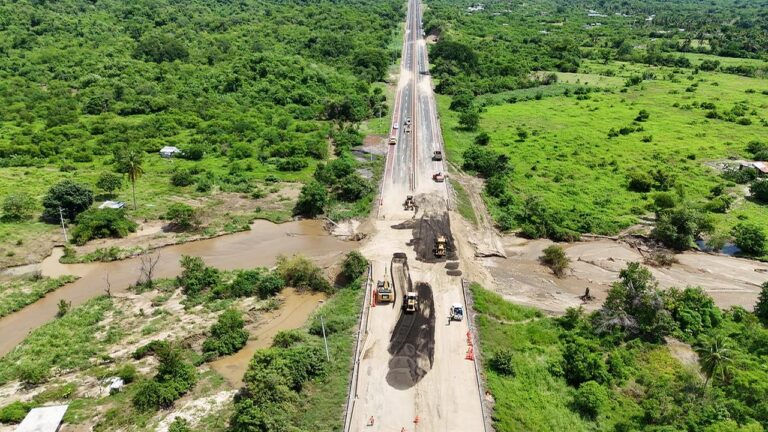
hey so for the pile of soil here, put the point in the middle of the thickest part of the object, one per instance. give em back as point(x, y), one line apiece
point(412, 344)
point(430, 221)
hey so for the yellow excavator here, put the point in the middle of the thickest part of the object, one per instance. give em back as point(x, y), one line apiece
point(384, 292)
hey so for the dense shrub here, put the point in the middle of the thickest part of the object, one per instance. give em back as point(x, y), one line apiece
point(354, 265)
point(196, 277)
point(109, 182)
point(759, 190)
point(247, 283)
point(352, 188)
point(740, 176)
point(312, 200)
point(555, 258)
point(182, 216)
point(590, 399)
point(485, 162)
point(677, 228)
point(640, 182)
point(72, 198)
point(227, 334)
point(693, 310)
point(502, 361)
point(634, 307)
point(182, 177)
point(101, 223)
point(761, 307)
point(751, 239)
point(583, 361)
point(301, 273)
point(18, 206)
point(174, 378)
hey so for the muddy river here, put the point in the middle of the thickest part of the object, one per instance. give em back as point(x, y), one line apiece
point(292, 314)
point(258, 247)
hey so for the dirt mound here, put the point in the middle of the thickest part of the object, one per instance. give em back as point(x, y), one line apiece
point(453, 272)
point(452, 265)
point(430, 222)
point(412, 344)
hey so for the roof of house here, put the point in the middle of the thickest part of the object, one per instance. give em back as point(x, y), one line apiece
point(169, 149)
point(43, 419)
point(761, 166)
point(112, 204)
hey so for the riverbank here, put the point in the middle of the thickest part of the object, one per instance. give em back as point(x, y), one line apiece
point(72, 358)
point(260, 246)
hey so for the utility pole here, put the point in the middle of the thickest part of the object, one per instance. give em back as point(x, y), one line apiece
point(325, 340)
point(64, 228)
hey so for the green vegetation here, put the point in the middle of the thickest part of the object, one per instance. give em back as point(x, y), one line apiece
point(555, 258)
point(174, 378)
point(67, 343)
point(292, 384)
point(101, 223)
point(255, 102)
point(227, 335)
point(611, 369)
point(463, 203)
point(593, 116)
point(301, 273)
point(17, 293)
point(354, 265)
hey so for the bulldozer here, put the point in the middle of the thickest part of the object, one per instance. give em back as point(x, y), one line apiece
point(384, 292)
point(408, 204)
point(439, 247)
point(411, 302)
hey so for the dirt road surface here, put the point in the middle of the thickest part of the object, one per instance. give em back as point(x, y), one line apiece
point(413, 371)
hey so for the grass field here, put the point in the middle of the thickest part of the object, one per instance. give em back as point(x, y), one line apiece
point(17, 293)
point(534, 398)
point(571, 163)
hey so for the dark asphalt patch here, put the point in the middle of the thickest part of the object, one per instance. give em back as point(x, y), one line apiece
point(412, 344)
point(453, 272)
point(425, 232)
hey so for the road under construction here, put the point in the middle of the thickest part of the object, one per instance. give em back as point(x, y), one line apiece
point(415, 370)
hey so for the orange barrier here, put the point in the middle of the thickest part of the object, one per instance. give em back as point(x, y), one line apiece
point(470, 354)
point(370, 421)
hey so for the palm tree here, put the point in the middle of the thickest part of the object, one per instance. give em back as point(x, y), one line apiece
point(130, 163)
point(715, 357)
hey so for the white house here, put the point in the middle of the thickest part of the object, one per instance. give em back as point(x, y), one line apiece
point(43, 419)
point(169, 151)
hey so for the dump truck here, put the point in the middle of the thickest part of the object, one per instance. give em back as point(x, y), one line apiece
point(392, 141)
point(384, 293)
point(438, 177)
point(439, 247)
point(437, 155)
point(411, 302)
point(408, 204)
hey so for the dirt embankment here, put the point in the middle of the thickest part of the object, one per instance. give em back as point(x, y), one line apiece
point(412, 344)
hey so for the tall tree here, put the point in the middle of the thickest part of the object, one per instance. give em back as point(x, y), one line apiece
point(129, 162)
point(715, 357)
point(761, 307)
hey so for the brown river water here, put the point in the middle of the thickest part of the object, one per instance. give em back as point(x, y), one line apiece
point(258, 247)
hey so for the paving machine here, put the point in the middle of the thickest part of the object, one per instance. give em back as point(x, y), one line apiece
point(439, 247)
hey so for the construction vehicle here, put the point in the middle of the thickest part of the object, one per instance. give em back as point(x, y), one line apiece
point(384, 293)
point(409, 203)
point(407, 121)
point(392, 141)
point(411, 302)
point(437, 155)
point(439, 247)
point(456, 313)
point(438, 177)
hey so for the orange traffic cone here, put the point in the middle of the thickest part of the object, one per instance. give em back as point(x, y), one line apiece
point(416, 420)
point(370, 421)
point(470, 354)
point(469, 339)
